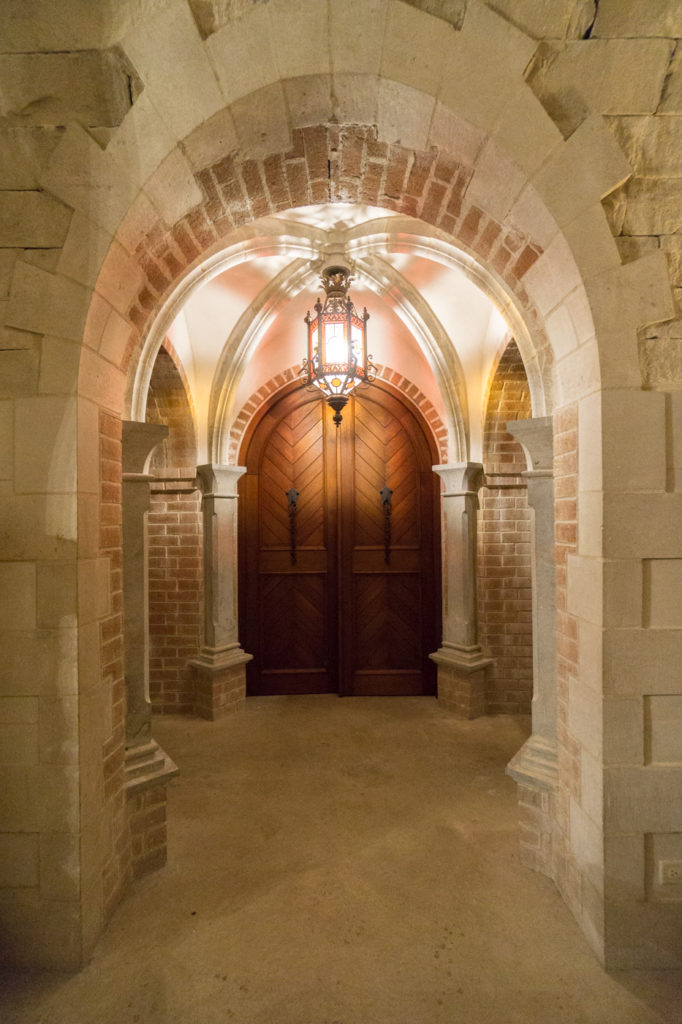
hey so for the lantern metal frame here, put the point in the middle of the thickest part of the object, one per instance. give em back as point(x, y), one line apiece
point(337, 362)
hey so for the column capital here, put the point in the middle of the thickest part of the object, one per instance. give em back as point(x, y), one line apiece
point(138, 442)
point(460, 478)
point(219, 481)
point(536, 438)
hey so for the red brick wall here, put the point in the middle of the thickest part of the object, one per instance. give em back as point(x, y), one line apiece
point(117, 859)
point(174, 527)
point(566, 543)
point(504, 555)
point(175, 597)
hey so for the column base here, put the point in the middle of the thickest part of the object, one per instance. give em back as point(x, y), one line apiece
point(219, 681)
point(148, 769)
point(534, 768)
point(462, 679)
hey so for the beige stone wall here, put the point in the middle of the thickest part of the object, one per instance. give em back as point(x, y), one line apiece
point(136, 138)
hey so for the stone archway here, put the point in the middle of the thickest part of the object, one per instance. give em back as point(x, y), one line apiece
point(143, 217)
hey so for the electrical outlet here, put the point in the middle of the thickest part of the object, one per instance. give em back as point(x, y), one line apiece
point(670, 872)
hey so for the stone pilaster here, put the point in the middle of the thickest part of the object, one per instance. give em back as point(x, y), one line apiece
point(220, 673)
point(147, 767)
point(139, 441)
point(534, 767)
point(461, 663)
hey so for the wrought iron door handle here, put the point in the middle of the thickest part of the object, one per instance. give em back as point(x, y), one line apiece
point(292, 498)
point(386, 494)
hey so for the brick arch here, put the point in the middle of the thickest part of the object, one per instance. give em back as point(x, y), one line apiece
point(281, 380)
point(332, 163)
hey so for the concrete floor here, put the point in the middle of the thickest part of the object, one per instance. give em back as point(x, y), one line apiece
point(343, 862)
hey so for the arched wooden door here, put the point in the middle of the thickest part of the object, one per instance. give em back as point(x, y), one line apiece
point(340, 592)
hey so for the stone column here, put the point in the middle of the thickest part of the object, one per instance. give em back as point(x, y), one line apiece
point(147, 767)
point(220, 673)
point(139, 441)
point(534, 767)
point(461, 663)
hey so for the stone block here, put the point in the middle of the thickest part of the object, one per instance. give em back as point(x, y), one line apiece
point(663, 593)
point(671, 101)
point(17, 595)
point(584, 588)
point(633, 435)
point(589, 454)
point(60, 866)
point(62, 307)
point(92, 86)
point(404, 115)
point(624, 867)
point(84, 251)
point(526, 133)
point(295, 34)
point(654, 18)
point(59, 362)
point(640, 661)
point(168, 39)
point(18, 859)
point(364, 55)
point(623, 731)
point(663, 729)
point(642, 525)
point(623, 592)
point(46, 457)
point(210, 142)
point(653, 145)
point(591, 242)
point(121, 277)
point(545, 19)
point(309, 98)
point(18, 743)
point(55, 789)
point(39, 662)
point(261, 122)
point(634, 295)
point(142, 142)
point(100, 381)
point(653, 206)
point(24, 151)
point(32, 220)
point(15, 710)
point(243, 55)
point(497, 183)
point(56, 595)
point(642, 799)
point(590, 524)
point(409, 34)
point(173, 189)
point(553, 275)
point(94, 596)
point(586, 844)
point(18, 809)
point(58, 733)
point(578, 373)
point(87, 179)
point(7, 446)
point(19, 370)
point(356, 98)
point(588, 166)
point(584, 719)
point(607, 76)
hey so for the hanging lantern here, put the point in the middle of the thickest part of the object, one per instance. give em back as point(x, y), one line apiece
point(337, 361)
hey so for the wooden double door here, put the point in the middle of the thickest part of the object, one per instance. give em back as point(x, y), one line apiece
point(340, 580)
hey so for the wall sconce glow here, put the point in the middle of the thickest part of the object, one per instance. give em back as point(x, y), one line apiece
point(337, 361)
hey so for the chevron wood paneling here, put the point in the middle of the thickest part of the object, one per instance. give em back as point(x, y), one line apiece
point(339, 618)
